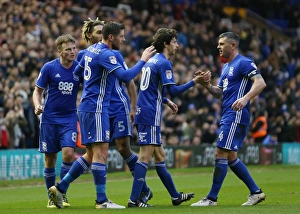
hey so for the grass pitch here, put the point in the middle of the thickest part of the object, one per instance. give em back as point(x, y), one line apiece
point(281, 183)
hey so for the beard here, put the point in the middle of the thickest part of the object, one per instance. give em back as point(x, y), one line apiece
point(115, 46)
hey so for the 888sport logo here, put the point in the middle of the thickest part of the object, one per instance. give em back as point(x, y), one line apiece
point(66, 87)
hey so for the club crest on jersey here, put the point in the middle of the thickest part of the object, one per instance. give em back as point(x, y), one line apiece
point(75, 77)
point(230, 73)
point(142, 137)
point(168, 74)
point(113, 60)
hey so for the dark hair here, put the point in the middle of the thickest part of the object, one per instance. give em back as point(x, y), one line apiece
point(232, 36)
point(163, 35)
point(113, 28)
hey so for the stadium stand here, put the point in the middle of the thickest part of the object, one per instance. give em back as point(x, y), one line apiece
point(28, 29)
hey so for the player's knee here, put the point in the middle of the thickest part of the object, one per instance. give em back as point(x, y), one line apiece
point(221, 153)
point(123, 149)
point(68, 156)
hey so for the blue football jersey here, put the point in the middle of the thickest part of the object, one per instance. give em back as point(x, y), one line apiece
point(79, 57)
point(119, 101)
point(80, 54)
point(235, 81)
point(96, 65)
point(60, 88)
point(156, 74)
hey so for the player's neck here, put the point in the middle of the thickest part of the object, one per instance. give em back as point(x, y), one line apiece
point(109, 44)
point(165, 53)
point(232, 57)
point(66, 63)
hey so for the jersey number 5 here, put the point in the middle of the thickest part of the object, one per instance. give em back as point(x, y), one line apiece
point(87, 68)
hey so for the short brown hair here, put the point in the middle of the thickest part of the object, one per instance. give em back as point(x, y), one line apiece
point(64, 39)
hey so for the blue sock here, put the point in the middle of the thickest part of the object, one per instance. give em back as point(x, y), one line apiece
point(220, 171)
point(131, 161)
point(49, 176)
point(78, 168)
point(241, 171)
point(166, 178)
point(140, 171)
point(65, 167)
point(99, 172)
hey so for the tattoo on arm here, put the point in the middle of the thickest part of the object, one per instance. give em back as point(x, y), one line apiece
point(214, 90)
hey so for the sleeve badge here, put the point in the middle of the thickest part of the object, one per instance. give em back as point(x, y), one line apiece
point(113, 60)
point(169, 74)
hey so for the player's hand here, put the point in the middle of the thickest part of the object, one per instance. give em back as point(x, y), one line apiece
point(239, 104)
point(148, 52)
point(38, 109)
point(203, 77)
point(131, 115)
point(172, 106)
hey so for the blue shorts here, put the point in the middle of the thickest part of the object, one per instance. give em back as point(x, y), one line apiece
point(53, 137)
point(94, 127)
point(120, 126)
point(231, 136)
point(149, 135)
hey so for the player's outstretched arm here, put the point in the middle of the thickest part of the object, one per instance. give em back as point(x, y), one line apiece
point(204, 78)
point(127, 75)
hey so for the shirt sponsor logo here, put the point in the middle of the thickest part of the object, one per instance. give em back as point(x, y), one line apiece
point(66, 88)
point(225, 84)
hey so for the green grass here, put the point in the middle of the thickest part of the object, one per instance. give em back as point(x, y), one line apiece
point(281, 183)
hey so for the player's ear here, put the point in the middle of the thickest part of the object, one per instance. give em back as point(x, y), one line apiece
point(165, 44)
point(233, 44)
point(110, 37)
point(89, 35)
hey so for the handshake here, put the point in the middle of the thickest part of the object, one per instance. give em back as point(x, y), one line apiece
point(203, 77)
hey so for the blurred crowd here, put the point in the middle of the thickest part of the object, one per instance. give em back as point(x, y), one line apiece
point(28, 29)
